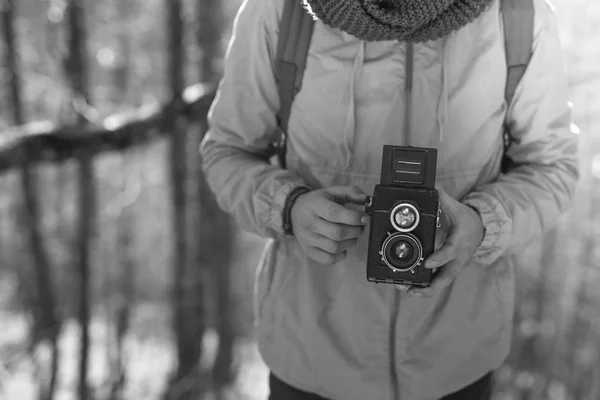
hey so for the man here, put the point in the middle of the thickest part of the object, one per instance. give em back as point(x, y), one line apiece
point(323, 329)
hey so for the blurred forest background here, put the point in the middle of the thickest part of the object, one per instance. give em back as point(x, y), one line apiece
point(120, 278)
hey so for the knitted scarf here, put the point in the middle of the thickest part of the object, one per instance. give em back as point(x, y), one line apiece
point(403, 20)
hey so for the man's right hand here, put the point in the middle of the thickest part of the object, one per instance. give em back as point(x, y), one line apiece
point(324, 226)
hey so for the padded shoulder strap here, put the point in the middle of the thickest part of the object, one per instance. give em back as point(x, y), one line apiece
point(518, 17)
point(295, 34)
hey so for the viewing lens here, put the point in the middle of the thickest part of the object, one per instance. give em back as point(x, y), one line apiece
point(404, 217)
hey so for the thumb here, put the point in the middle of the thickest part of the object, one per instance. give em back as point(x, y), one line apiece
point(347, 194)
point(447, 202)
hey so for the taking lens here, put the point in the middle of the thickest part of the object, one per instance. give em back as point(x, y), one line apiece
point(402, 252)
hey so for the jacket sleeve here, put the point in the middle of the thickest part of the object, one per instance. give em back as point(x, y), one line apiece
point(242, 120)
point(523, 204)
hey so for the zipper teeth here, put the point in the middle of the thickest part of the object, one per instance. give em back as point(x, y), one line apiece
point(408, 90)
point(396, 302)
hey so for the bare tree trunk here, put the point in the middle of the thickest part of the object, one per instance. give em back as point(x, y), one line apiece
point(47, 325)
point(126, 299)
point(579, 326)
point(86, 207)
point(8, 18)
point(216, 238)
point(210, 30)
point(184, 382)
point(76, 63)
point(196, 266)
point(553, 292)
point(584, 342)
point(126, 219)
point(122, 69)
point(222, 240)
point(528, 313)
point(55, 63)
point(76, 67)
point(537, 346)
point(178, 170)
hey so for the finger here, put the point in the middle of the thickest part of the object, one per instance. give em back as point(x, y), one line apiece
point(441, 235)
point(337, 232)
point(347, 194)
point(337, 213)
point(331, 246)
point(441, 280)
point(447, 253)
point(325, 258)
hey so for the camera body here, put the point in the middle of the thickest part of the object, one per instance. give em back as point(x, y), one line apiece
point(405, 211)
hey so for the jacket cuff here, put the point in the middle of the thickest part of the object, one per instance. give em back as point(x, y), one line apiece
point(497, 224)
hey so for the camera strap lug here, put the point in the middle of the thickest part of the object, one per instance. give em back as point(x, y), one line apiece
point(439, 214)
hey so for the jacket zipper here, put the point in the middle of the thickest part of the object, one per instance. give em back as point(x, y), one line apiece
point(395, 305)
point(408, 91)
point(396, 301)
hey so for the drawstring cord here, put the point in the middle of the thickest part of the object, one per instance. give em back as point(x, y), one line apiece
point(350, 125)
point(442, 109)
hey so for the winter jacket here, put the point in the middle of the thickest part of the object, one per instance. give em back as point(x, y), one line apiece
point(326, 329)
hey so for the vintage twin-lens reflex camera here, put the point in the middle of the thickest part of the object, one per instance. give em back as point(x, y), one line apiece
point(405, 213)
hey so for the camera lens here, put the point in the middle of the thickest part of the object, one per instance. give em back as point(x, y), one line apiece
point(402, 252)
point(404, 217)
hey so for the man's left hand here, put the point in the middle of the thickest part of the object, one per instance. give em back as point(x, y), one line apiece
point(464, 234)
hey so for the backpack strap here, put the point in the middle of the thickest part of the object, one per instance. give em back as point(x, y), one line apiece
point(295, 35)
point(518, 17)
